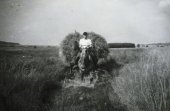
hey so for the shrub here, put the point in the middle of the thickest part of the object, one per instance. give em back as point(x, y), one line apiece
point(35, 47)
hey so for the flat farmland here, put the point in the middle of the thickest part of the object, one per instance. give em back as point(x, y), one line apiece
point(135, 79)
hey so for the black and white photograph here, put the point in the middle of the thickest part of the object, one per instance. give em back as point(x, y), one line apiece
point(84, 55)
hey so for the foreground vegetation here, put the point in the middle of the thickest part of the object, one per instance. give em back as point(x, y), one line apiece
point(130, 79)
point(144, 85)
point(29, 77)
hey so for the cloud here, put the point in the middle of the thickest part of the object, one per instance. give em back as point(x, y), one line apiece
point(47, 22)
point(165, 6)
point(164, 3)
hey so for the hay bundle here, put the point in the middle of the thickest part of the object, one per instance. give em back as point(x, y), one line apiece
point(99, 44)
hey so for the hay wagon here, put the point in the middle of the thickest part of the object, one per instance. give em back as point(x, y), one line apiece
point(100, 46)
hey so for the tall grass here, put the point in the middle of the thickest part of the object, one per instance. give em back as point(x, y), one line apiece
point(28, 83)
point(144, 85)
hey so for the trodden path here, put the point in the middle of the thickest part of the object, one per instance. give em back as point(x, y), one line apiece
point(83, 96)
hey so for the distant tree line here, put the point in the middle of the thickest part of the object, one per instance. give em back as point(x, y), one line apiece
point(3, 43)
point(153, 45)
point(121, 45)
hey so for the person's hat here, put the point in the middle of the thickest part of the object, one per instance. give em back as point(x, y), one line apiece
point(85, 33)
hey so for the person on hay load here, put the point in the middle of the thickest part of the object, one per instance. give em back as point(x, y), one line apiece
point(83, 43)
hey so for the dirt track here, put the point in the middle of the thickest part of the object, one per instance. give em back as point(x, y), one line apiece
point(101, 97)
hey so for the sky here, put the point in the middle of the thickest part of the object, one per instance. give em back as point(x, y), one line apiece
point(47, 22)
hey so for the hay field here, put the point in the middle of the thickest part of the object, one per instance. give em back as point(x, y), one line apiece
point(143, 84)
point(137, 80)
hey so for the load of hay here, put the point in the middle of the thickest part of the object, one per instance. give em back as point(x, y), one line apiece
point(99, 44)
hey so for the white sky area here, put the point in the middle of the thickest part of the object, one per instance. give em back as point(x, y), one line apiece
point(47, 22)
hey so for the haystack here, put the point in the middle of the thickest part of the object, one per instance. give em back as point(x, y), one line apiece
point(99, 44)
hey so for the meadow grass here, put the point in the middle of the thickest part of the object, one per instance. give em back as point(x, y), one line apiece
point(29, 78)
point(143, 84)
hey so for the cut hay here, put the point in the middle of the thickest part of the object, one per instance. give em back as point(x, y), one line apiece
point(99, 44)
point(77, 82)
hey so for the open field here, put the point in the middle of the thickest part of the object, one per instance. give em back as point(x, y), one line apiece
point(129, 80)
point(144, 85)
